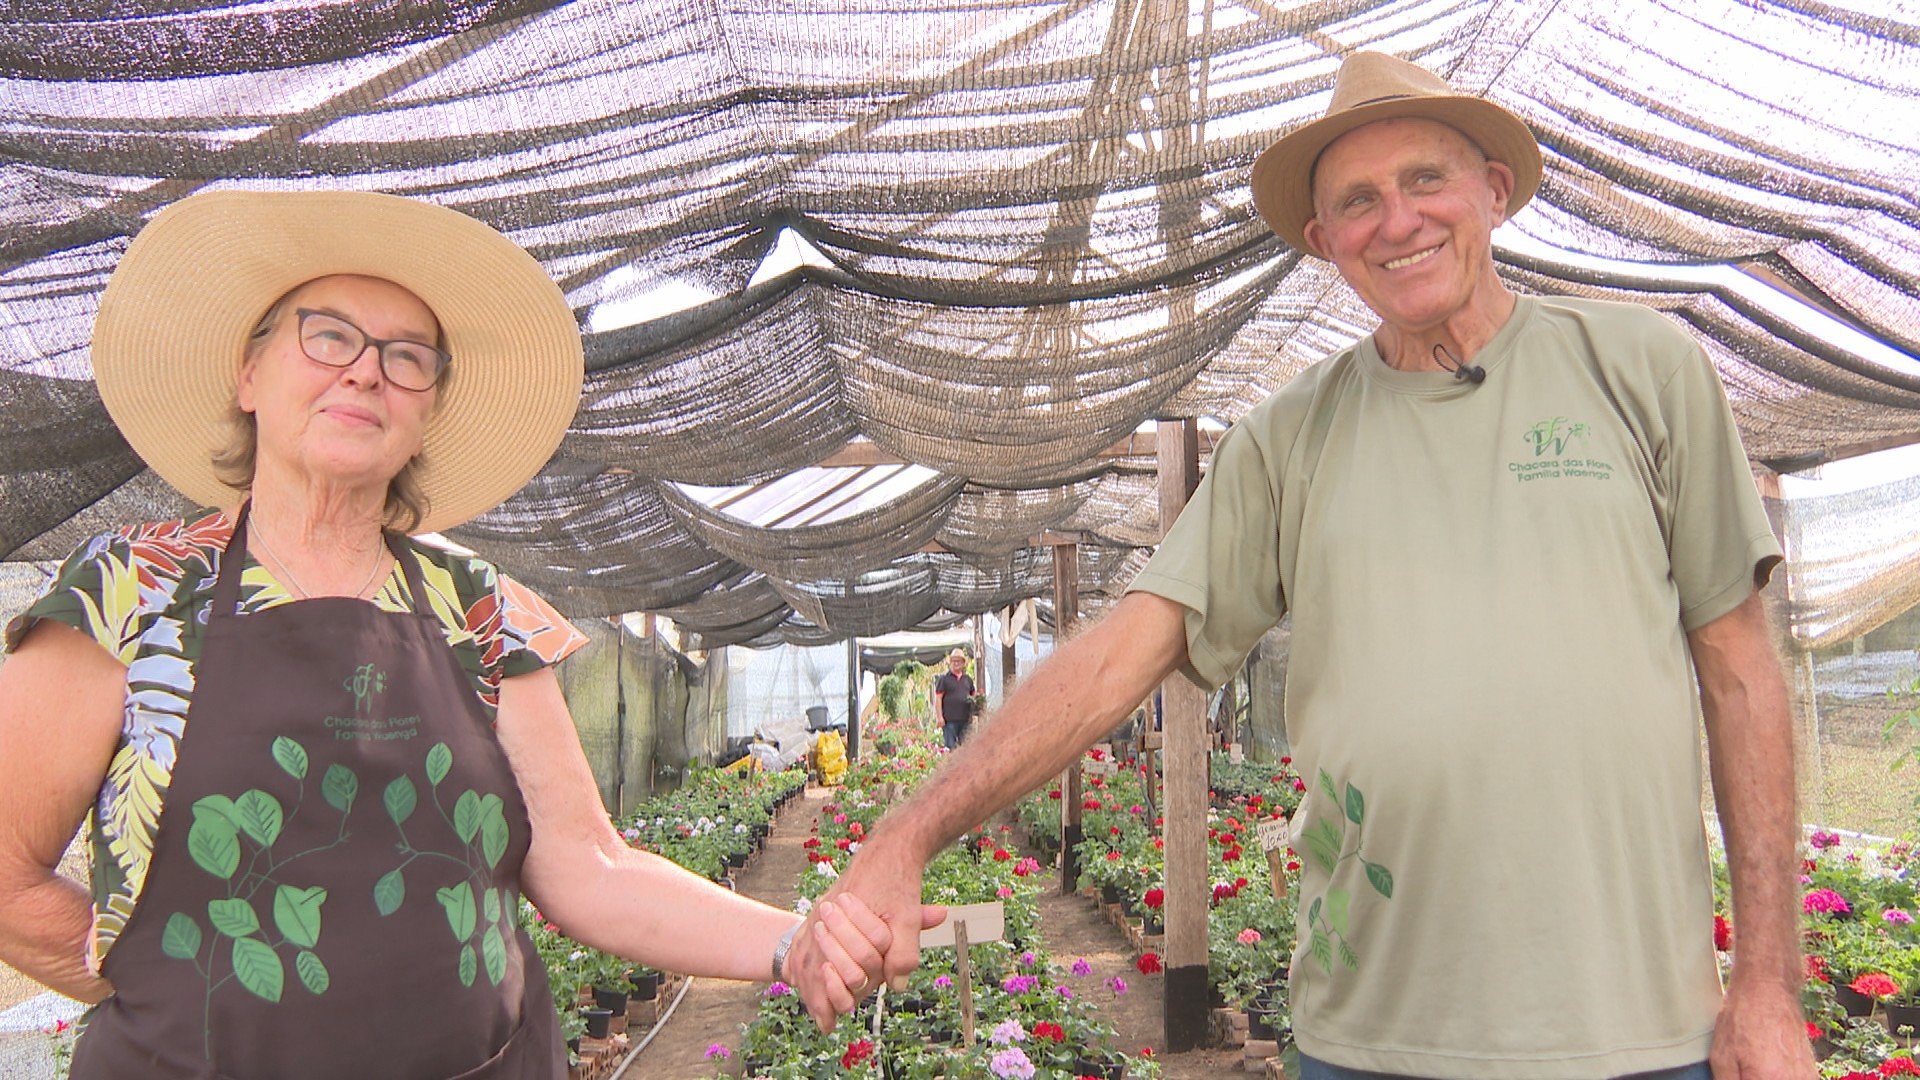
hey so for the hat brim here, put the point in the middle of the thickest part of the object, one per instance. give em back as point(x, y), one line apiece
point(174, 320)
point(1283, 173)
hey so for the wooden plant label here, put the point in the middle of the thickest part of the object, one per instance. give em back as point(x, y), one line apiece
point(984, 922)
point(1274, 835)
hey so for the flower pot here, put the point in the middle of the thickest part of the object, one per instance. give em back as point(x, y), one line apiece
point(598, 1021)
point(1855, 1002)
point(1150, 923)
point(1259, 1024)
point(1106, 1070)
point(737, 859)
point(1902, 1015)
point(613, 1000)
point(1109, 894)
point(645, 987)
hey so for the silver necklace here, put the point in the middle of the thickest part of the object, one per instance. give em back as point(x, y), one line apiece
point(261, 539)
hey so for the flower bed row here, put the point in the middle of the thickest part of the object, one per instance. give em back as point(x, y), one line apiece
point(1862, 993)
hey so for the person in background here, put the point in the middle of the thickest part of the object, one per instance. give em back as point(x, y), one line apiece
point(1520, 542)
point(324, 760)
point(953, 699)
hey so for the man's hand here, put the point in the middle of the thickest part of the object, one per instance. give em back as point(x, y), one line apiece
point(884, 888)
point(1761, 1034)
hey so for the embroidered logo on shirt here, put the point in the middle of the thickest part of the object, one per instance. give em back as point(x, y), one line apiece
point(1559, 447)
point(365, 682)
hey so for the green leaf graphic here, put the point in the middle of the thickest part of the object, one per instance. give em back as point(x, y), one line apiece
point(233, 917)
point(469, 965)
point(466, 816)
point(218, 807)
point(291, 756)
point(1348, 957)
point(439, 762)
point(259, 815)
point(1337, 903)
point(181, 938)
point(215, 845)
point(258, 968)
point(1323, 844)
point(458, 902)
point(1381, 877)
point(400, 799)
point(1322, 951)
point(493, 830)
point(1313, 911)
point(493, 949)
point(340, 786)
point(297, 913)
point(1356, 805)
point(1326, 785)
point(490, 906)
point(389, 892)
point(313, 973)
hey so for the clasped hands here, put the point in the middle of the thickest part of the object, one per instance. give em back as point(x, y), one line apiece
point(864, 930)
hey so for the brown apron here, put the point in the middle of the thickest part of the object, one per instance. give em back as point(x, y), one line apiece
point(334, 889)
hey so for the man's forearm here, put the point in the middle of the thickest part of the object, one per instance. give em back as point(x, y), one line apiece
point(1079, 694)
point(44, 936)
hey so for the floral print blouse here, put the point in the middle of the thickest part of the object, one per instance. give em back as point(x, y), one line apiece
point(144, 593)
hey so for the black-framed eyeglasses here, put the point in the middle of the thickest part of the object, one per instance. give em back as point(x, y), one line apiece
point(335, 342)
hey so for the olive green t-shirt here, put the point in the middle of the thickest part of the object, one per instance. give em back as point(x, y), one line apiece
point(1489, 690)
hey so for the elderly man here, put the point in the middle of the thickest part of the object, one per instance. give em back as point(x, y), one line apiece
point(953, 699)
point(1503, 526)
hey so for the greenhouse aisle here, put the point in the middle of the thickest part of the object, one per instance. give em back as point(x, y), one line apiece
point(713, 1011)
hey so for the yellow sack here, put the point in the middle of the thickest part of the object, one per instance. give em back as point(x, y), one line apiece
point(830, 757)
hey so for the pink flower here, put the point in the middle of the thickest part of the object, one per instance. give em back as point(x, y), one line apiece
point(1826, 901)
point(943, 981)
point(1249, 936)
point(1897, 915)
point(1821, 841)
point(719, 1052)
point(1081, 967)
point(1004, 891)
point(779, 989)
point(1117, 984)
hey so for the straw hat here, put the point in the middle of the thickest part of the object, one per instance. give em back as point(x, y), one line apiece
point(174, 320)
point(956, 654)
point(1375, 86)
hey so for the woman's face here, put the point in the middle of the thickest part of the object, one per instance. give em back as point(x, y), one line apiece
point(338, 425)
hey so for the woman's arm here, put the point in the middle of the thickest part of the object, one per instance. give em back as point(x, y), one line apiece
point(61, 701)
point(600, 891)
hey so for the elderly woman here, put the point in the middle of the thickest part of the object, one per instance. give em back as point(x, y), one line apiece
point(325, 761)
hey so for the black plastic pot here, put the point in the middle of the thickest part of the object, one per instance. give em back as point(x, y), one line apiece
point(1109, 894)
point(598, 1021)
point(613, 1000)
point(645, 987)
point(737, 859)
point(1259, 1024)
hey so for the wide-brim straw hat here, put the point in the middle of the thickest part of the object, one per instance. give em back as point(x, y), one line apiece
point(175, 317)
point(1375, 86)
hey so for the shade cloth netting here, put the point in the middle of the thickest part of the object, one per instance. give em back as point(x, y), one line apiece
point(1036, 215)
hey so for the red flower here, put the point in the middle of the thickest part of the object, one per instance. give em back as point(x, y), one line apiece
point(1817, 968)
point(1286, 761)
point(1154, 897)
point(1001, 855)
point(843, 843)
point(1090, 804)
point(1149, 963)
point(1158, 843)
point(1813, 1030)
point(1899, 1066)
point(1722, 933)
point(1054, 794)
point(1047, 1029)
point(1113, 830)
point(1232, 854)
point(1113, 856)
point(1875, 984)
point(1097, 755)
point(856, 1054)
point(810, 842)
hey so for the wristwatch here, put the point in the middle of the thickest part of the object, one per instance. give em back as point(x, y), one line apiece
point(782, 947)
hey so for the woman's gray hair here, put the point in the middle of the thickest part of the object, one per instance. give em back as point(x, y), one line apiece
point(234, 461)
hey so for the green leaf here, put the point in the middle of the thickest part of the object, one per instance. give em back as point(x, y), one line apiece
point(466, 816)
point(458, 902)
point(1323, 844)
point(259, 815)
point(1349, 957)
point(493, 830)
point(490, 906)
point(297, 913)
point(1381, 877)
point(493, 949)
point(400, 799)
point(469, 965)
point(313, 973)
point(1322, 951)
point(1326, 785)
point(439, 763)
point(218, 807)
point(1338, 901)
point(1356, 805)
point(233, 917)
point(258, 968)
point(215, 845)
point(340, 786)
point(181, 938)
point(389, 892)
point(1313, 912)
point(291, 756)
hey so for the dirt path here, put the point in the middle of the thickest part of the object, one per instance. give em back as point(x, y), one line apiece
point(713, 1011)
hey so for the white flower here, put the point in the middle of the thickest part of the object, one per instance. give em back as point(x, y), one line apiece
point(826, 869)
point(803, 905)
point(853, 848)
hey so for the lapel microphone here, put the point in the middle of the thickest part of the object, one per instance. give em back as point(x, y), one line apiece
point(1472, 373)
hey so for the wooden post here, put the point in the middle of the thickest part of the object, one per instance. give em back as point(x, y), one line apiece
point(1066, 612)
point(1184, 754)
point(963, 967)
point(1008, 663)
point(853, 692)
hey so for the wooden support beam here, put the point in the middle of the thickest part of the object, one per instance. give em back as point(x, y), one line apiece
point(1137, 445)
point(1183, 728)
point(1066, 612)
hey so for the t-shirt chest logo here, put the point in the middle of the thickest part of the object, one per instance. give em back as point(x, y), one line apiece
point(1557, 449)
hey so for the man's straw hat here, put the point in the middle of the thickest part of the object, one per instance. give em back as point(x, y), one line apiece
point(174, 321)
point(1374, 86)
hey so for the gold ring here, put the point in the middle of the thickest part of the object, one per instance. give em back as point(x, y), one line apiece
point(856, 991)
